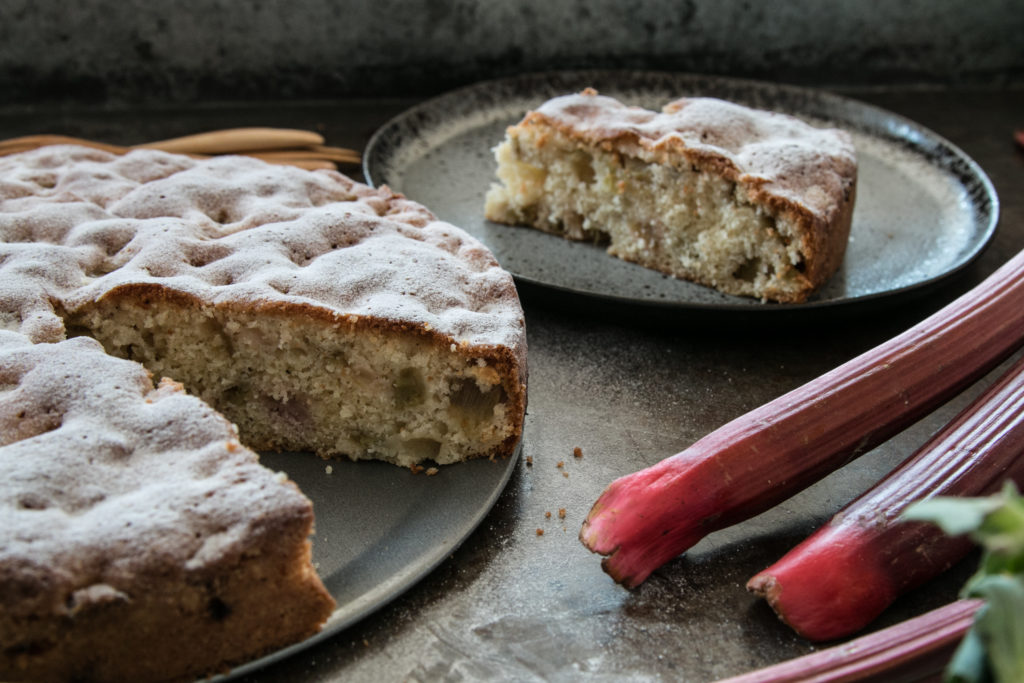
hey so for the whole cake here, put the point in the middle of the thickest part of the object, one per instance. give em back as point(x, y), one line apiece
point(313, 312)
point(750, 202)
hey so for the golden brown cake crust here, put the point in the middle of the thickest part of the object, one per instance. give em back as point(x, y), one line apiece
point(782, 163)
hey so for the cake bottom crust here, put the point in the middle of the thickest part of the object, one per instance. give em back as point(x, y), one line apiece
point(174, 631)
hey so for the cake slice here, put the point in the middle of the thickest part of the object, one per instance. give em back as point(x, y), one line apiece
point(140, 541)
point(752, 203)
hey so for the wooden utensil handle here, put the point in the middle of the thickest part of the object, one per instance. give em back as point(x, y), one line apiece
point(29, 142)
point(238, 140)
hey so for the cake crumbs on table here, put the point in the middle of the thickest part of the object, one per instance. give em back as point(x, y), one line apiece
point(329, 469)
point(540, 532)
point(529, 461)
point(431, 471)
point(547, 515)
point(577, 452)
point(561, 464)
point(561, 513)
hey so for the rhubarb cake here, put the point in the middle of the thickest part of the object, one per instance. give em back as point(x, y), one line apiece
point(750, 202)
point(287, 310)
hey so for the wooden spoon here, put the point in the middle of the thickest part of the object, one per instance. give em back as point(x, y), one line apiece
point(275, 145)
point(237, 140)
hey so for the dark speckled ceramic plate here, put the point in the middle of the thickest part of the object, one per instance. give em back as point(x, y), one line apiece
point(381, 528)
point(924, 209)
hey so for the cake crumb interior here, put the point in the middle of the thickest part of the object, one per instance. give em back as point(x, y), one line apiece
point(291, 383)
point(671, 218)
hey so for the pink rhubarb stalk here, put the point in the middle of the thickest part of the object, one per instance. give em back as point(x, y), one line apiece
point(646, 518)
point(846, 573)
point(914, 650)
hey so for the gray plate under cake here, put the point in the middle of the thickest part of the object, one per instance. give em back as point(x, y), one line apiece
point(924, 208)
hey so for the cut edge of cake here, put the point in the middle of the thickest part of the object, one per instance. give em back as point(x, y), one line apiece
point(412, 395)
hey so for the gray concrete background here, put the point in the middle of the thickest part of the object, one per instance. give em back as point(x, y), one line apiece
point(195, 50)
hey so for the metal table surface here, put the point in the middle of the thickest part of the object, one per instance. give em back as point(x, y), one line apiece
point(510, 604)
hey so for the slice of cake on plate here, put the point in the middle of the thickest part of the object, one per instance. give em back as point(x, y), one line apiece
point(750, 202)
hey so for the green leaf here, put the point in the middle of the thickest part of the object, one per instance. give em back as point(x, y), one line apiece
point(970, 661)
point(994, 646)
point(1000, 625)
point(956, 516)
point(1002, 535)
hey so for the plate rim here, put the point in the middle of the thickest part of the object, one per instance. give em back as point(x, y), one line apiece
point(915, 137)
point(341, 619)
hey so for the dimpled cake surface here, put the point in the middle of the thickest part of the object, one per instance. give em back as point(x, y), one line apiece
point(753, 203)
point(277, 309)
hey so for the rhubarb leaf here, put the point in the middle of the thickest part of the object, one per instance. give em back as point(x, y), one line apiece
point(969, 663)
point(997, 524)
point(956, 516)
point(1001, 625)
point(1001, 533)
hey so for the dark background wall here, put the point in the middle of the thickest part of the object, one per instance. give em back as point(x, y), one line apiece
point(146, 50)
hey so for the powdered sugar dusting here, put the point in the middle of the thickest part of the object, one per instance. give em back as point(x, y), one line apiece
point(78, 223)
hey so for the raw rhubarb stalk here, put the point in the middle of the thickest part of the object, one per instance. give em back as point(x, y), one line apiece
point(846, 573)
point(916, 649)
point(750, 464)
